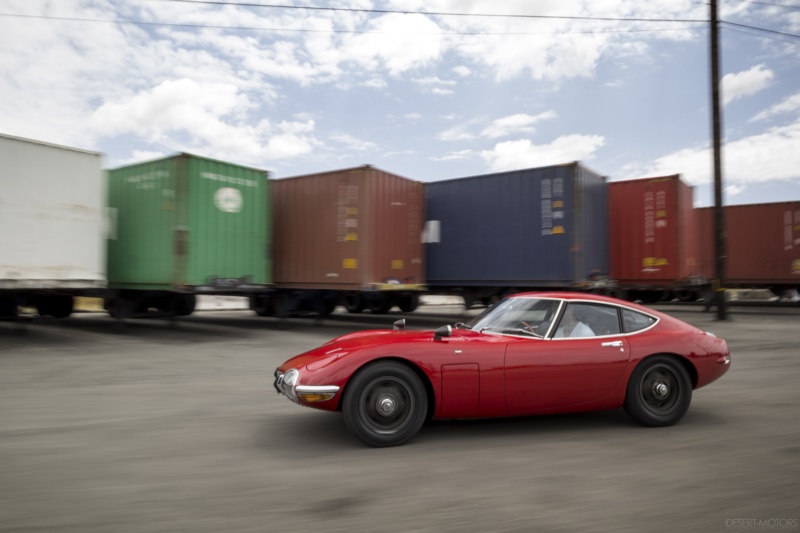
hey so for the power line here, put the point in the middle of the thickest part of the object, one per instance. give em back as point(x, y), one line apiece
point(760, 29)
point(430, 13)
point(770, 4)
point(764, 36)
point(304, 30)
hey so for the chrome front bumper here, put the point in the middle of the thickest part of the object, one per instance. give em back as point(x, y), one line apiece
point(286, 383)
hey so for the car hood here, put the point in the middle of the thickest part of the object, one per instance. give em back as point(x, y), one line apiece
point(370, 341)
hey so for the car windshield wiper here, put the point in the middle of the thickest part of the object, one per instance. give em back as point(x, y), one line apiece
point(513, 330)
point(461, 325)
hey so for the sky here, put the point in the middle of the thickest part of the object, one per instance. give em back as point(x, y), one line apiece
point(426, 96)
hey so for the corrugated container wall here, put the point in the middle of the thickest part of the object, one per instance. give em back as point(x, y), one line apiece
point(541, 227)
point(52, 221)
point(352, 229)
point(188, 223)
point(763, 243)
point(651, 232)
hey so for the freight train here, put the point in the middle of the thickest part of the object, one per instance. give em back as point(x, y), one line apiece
point(148, 238)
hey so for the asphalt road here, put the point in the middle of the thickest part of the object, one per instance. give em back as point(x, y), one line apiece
point(176, 428)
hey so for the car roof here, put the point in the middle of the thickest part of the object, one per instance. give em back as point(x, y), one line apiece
point(582, 296)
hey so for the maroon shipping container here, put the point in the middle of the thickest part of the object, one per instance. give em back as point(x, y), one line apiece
point(763, 244)
point(652, 240)
point(349, 232)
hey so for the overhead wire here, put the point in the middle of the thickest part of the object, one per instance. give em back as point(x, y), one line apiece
point(429, 13)
point(307, 30)
point(771, 4)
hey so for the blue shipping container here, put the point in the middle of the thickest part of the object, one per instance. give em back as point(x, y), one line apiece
point(536, 228)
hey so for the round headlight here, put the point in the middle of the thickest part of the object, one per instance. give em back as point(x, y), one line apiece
point(289, 383)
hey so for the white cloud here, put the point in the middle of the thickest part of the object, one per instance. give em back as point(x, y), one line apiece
point(456, 133)
point(733, 190)
point(376, 83)
point(745, 83)
point(434, 80)
point(462, 71)
point(413, 116)
point(353, 143)
point(788, 105)
point(453, 156)
point(772, 155)
point(517, 123)
point(213, 116)
point(510, 155)
point(440, 91)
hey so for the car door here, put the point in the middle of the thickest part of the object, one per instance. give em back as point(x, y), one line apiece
point(559, 372)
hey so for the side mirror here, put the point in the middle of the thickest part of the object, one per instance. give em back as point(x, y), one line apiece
point(444, 331)
point(400, 324)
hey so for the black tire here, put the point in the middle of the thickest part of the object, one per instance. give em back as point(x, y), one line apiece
point(262, 305)
point(8, 307)
point(185, 304)
point(380, 304)
point(659, 392)
point(119, 308)
point(326, 306)
point(619, 294)
point(385, 404)
point(408, 304)
point(57, 306)
point(354, 303)
point(687, 295)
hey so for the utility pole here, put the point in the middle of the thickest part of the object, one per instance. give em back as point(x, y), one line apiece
point(720, 235)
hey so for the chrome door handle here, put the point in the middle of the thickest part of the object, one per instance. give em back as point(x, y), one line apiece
point(612, 343)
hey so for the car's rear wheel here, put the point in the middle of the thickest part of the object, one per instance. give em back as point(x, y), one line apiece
point(385, 404)
point(659, 391)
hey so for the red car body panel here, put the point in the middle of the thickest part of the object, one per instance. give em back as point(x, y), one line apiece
point(475, 374)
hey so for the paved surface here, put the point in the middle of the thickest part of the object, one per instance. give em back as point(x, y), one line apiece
point(148, 427)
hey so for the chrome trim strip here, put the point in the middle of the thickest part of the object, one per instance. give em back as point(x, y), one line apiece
point(324, 389)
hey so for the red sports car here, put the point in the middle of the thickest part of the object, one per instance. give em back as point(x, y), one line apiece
point(533, 353)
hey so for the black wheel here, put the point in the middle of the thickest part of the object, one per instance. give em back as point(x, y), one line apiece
point(687, 295)
point(8, 307)
point(185, 304)
point(325, 306)
point(385, 404)
point(354, 303)
point(262, 305)
point(619, 294)
point(659, 392)
point(408, 304)
point(57, 306)
point(380, 304)
point(119, 308)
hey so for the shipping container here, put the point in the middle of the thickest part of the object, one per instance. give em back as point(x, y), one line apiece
point(347, 236)
point(52, 226)
point(186, 225)
point(540, 228)
point(763, 245)
point(653, 242)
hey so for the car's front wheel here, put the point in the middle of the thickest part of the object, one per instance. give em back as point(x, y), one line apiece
point(385, 404)
point(659, 391)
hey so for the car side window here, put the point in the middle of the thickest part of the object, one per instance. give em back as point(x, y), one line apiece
point(587, 320)
point(634, 321)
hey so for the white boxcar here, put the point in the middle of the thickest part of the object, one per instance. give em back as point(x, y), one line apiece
point(52, 225)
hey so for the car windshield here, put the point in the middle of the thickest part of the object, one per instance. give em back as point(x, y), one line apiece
point(517, 316)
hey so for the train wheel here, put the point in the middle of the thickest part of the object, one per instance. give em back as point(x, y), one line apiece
point(354, 303)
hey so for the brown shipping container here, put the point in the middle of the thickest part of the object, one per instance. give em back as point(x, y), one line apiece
point(763, 244)
point(349, 230)
point(651, 233)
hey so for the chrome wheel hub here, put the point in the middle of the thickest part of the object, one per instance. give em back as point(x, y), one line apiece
point(660, 390)
point(387, 405)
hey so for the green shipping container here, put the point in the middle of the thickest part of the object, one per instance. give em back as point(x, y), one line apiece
point(187, 223)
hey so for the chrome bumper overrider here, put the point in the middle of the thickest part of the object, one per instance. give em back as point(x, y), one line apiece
point(286, 384)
